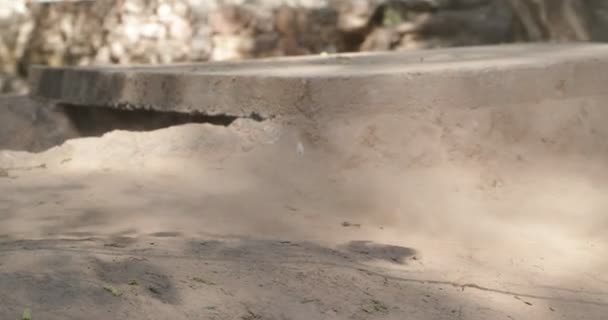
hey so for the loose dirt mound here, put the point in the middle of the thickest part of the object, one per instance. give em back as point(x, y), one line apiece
point(459, 214)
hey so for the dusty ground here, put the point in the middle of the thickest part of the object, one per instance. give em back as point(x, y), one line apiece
point(258, 220)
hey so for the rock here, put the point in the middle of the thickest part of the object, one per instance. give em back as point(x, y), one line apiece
point(164, 12)
point(229, 20)
point(356, 14)
point(231, 47)
point(181, 30)
point(117, 50)
point(285, 21)
point(381, 39)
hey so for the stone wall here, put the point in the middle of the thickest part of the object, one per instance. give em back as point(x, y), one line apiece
point(167, 31)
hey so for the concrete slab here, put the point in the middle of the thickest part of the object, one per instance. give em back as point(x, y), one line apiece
point(459, 77)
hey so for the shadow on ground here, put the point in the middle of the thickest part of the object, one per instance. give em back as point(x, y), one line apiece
point(156, 277)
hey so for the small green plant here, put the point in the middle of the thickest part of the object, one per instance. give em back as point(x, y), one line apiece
point(392, 16)
point(115, 292)
point(201, 280)
point(27, 314)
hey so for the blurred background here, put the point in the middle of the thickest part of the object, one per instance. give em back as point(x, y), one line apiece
point(84, 32)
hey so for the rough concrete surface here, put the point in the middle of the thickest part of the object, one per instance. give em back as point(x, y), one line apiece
point(497, 74)
point(400, 211)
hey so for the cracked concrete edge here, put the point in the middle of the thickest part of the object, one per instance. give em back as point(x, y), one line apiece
point(558, 72)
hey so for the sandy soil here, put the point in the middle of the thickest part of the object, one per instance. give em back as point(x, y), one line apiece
point(259, 221)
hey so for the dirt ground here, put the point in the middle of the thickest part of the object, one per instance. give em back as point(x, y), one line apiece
point(258, 220)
